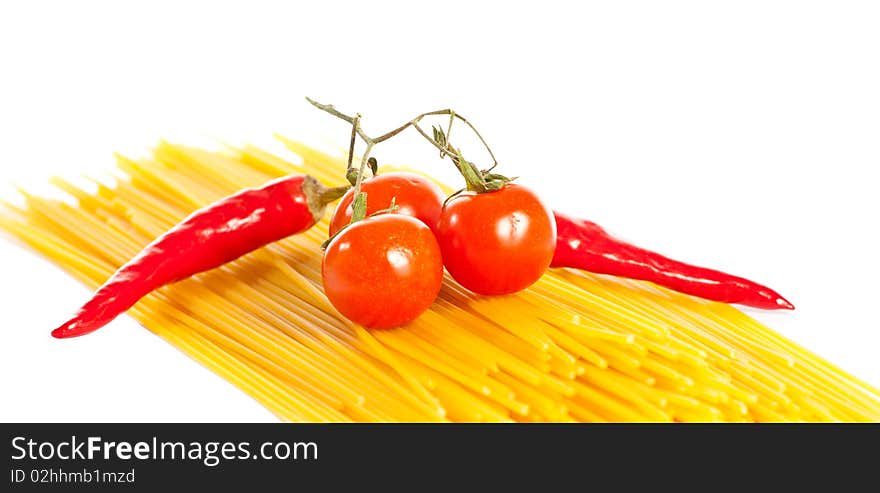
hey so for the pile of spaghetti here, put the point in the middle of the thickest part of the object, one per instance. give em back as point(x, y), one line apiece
point(573, 347)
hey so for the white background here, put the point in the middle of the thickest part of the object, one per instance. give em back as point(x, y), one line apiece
point(742, 136)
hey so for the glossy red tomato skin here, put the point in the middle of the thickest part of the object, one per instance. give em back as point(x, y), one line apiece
point(384, 271)
point(497, 242)
point(414, 194)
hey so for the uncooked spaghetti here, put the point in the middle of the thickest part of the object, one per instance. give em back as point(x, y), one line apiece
point(573, 347)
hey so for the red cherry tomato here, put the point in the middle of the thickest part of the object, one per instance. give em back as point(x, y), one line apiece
point(384, 271)
point(415, 196)
point(497, 242)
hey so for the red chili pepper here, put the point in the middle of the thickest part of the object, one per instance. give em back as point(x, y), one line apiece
point(585, 245)
point(208, 238)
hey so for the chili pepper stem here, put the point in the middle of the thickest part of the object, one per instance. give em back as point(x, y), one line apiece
point(318, 195)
